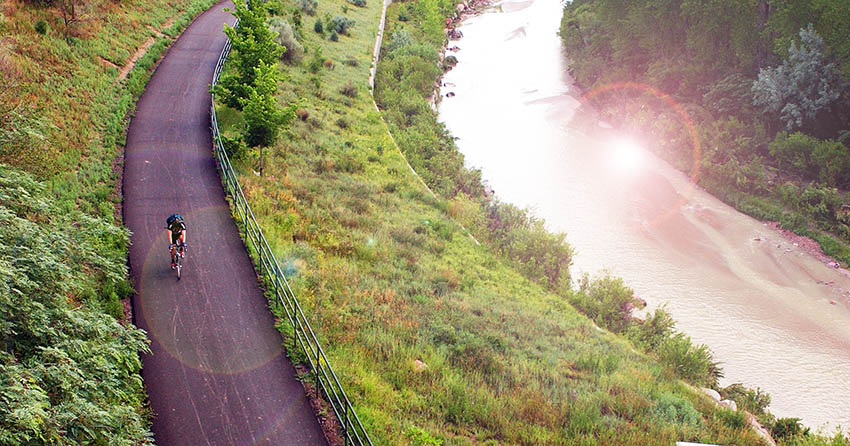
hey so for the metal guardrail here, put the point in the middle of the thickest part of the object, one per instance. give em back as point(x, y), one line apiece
point(304, 337)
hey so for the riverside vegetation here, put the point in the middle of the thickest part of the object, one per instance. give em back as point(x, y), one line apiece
point(764, 87)
point(439, 340)
point(69, 362)
point(765, 84)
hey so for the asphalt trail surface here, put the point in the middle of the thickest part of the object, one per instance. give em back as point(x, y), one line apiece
point(218, 374)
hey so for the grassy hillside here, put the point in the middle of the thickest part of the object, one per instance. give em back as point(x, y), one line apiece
point(438, 340)
point(68, 368)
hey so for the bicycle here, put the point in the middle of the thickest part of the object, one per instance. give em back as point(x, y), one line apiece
point(177, 254)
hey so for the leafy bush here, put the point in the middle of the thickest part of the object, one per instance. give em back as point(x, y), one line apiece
point(341, 24)
point(68, 372)
point(786, 428)
point(307, 6)
point(732, 418)
point(318, 26)
point(802, 87)
point(675, 409)
point(294, 51)
point(359, 3)
point(349, 89)
point(419, 437)
point(606, 300)
point(753, 401)
point(41, 27)
point(653, 331)
point(693, 363)
point(317, 61)
point(334, 36)
point(235, 147)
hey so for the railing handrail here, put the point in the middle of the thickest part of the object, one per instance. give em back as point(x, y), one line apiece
point(304, 336)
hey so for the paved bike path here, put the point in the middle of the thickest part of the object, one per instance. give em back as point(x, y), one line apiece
point(217, 374)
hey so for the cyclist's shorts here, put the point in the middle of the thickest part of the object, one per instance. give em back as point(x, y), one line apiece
point(175, 236)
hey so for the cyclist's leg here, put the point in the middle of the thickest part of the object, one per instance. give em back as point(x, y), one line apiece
point(174, 240)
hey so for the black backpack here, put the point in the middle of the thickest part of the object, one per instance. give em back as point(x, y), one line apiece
point(174, 221)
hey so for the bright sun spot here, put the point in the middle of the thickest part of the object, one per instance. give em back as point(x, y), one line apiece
point(626, 155)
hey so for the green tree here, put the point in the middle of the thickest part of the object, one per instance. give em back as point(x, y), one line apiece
point(803, 86)
point(252, 42)
point(264, 118)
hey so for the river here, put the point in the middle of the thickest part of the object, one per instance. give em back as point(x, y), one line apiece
point(775, 316)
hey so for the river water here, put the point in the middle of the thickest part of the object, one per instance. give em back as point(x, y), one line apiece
point(776, 317)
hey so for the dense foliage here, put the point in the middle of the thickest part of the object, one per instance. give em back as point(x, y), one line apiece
point(67, 375)
point(764, 85)
point(69, 371)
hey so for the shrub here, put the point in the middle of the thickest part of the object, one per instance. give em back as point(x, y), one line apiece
point(307, 6)
point(286, 37)
point(606, 300)
point(753, 401)
point(419, 437)
point(316, 61)
point(675, 409)
point(318, 27)
point(693, 363)
point(334, 36)
point(349, 89)
point(41, 27)
point(785, 428)
point(359, 3)
point(341, 24)
point(69, 372)
point(731, 418)
point(399, 39)
point(652, 332)
point(235, 147)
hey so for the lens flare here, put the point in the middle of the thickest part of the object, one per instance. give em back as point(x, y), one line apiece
point(696, 150)
point(626, 155)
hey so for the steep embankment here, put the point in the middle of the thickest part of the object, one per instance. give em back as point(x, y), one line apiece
point(438, 340)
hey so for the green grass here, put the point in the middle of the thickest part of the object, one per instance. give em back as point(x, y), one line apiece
point(391, 282)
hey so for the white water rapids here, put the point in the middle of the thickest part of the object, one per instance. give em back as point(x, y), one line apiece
point(776, 317)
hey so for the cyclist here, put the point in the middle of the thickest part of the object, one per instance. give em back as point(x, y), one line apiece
point(176, 232)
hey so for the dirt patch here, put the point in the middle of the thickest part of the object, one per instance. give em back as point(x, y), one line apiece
point(108, 63)
point(144, 48)
point(136, 56)
point(168, 23)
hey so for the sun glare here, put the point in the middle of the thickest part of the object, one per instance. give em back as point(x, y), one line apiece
point(626, 155)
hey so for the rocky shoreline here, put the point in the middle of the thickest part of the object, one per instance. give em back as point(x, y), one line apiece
point(463, 10)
